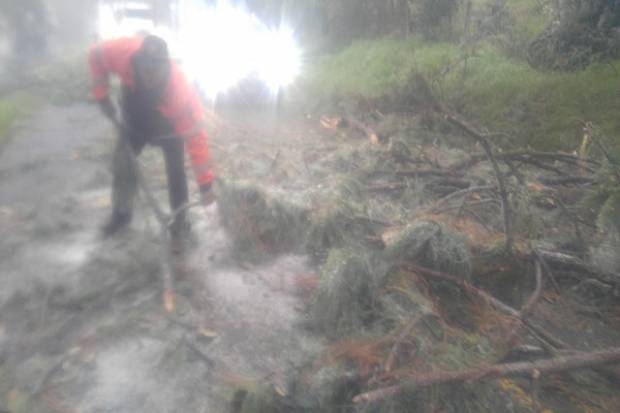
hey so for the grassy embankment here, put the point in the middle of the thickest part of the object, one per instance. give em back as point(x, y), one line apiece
point(9, 110)
point(495, 89)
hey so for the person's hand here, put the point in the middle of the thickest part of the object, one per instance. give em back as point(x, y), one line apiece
point(108, 109)
point(207, 195)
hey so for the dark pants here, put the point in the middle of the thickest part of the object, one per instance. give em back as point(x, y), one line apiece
point(125, 178)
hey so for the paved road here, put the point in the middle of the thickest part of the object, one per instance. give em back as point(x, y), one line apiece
point(82, 328)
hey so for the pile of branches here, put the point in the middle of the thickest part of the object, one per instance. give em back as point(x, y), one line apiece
point(386, 292)
point(553, 181)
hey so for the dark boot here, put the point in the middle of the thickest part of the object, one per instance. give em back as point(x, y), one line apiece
point(115, 223)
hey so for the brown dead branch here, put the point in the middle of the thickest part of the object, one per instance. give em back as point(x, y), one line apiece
point(568, 262)
point(456, 194)
point(333, 123)
point(389, 363)
point(546, 338)
point(453, 182)
point(503, 192)
point(386, 187)
point(526, 156)
point(531, 369)
point(527, 307)
point(373, 136)
point(567, 180)
point(416, 173)
point(548, 271)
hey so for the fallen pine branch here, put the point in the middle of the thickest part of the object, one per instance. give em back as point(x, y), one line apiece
point(548, 340)
point(529, 305)
point(453, 182)
point(532, 369)
point(525, 156)
point(488, 149)
point(527, 308)
point(415, 173)
point(548, 271)
point(567, 180)
point(386, 187)
point(373, 136)
point(541, 334)
point(389, 363)
point(456, 194)
point(568, 262)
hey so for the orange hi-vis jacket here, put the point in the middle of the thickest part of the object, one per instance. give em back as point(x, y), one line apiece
point(179, 104)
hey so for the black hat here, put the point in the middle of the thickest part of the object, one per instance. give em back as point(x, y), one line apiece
point(154, 50)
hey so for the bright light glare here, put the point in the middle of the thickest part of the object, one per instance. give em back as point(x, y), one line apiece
point(218, 46)
point(222, 45)
point(280, 63)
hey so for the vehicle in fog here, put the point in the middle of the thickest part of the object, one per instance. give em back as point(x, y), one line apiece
point(127, 18)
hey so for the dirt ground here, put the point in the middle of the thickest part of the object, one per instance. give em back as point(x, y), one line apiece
point(82, 326)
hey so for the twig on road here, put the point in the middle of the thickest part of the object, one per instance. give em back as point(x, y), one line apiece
point(532, 369)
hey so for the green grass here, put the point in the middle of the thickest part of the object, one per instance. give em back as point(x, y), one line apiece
point(374, 69)
point(8, 112)
point(543, 109)
point(526, 107)
point(12, 107)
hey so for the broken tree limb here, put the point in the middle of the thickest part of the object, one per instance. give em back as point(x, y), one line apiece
point(536, 368)
point(389, 363)
point(503, 192)
point(198, 353)
point(529, 305)
point(456, 194)
point(527, 308)
point(541, 334)
point(453, 182)
point(415, 173)
point(548, 271)
point(386, 187)
point(548, 340)
point(567, 180)
point(568, 262)
point(373, 136)
point(525, 156)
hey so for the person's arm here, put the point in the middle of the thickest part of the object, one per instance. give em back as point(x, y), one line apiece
point(198, 149)
point(106, 58)
point(182, 105)
point(99, 71)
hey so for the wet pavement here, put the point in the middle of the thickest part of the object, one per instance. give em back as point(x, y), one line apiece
point(82, 325)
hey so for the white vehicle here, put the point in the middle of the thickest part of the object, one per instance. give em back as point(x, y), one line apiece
point(128, 18)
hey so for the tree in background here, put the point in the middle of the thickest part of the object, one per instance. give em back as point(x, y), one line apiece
point(581, 32)
point(343, 21)
point(27, 24)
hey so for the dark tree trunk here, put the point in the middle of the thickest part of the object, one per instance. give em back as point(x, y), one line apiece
point(584, 31)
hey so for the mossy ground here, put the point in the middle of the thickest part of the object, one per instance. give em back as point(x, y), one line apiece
point(11, 108)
